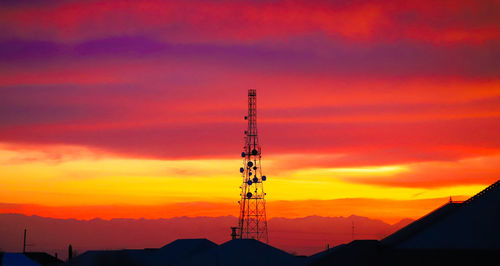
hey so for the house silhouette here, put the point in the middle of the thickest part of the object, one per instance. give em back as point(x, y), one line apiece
point(457, 233)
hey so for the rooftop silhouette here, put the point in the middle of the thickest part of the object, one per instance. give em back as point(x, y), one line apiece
point(457, 233)
point(460, 233)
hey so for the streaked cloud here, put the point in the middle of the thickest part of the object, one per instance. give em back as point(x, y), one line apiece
point(114, 102)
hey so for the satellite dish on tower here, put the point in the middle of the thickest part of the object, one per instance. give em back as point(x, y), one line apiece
point(252, 223)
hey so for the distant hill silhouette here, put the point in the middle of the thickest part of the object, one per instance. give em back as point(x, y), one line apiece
point(298, 235)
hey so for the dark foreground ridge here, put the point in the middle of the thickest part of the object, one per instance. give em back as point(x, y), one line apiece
point(457, 233)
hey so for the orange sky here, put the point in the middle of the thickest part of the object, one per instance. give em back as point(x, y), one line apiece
point(117, 109)
point(81, 185)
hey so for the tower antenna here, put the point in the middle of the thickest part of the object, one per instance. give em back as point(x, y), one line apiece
point(252, 222)
point(24, 241)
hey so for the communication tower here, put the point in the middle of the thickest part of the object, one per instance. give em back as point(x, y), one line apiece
point(252, 222)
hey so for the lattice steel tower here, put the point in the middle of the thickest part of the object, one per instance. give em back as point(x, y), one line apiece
point(252, 221)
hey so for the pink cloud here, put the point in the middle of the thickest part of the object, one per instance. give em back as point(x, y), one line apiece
point(444, 22)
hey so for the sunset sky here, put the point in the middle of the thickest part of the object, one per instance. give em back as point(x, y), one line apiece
point(135, 108)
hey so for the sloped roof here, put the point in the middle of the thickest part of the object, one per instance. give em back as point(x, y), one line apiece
point(17, 259)
point(244, 252)
point(357, 252)
point(43, 258)
point(323, 253)
point(126, 257)
point(169, 254)
point(28, 258)
point(420, 224)
point(472, 224)
point(183, 248)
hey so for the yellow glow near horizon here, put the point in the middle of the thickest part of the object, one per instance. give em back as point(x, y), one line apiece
point(353, 171)
point(29, 177)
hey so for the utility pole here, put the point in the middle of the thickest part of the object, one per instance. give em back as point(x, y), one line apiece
point(24, 241)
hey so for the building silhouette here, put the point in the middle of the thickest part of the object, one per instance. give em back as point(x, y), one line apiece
point(457, 233)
